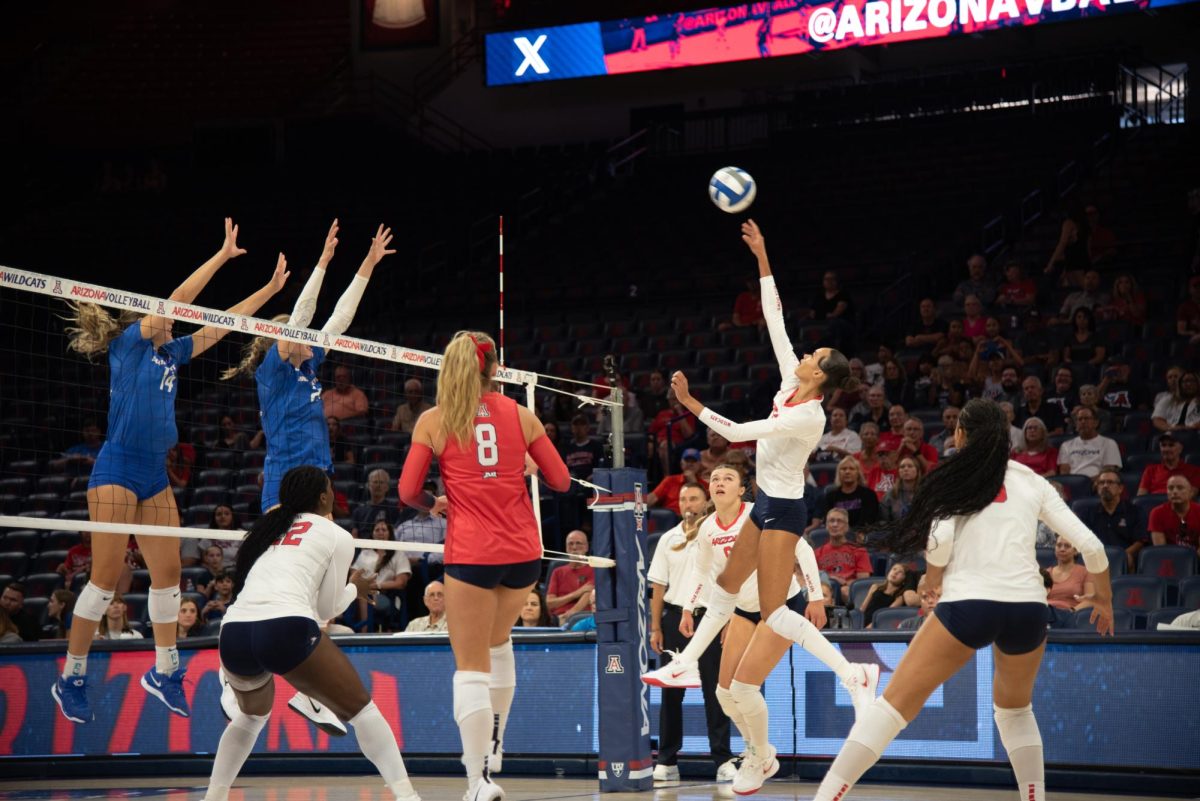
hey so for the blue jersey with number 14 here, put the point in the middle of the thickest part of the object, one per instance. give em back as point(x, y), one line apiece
point(141, 390)
point(293, 417)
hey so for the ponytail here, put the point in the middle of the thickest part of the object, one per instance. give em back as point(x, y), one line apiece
point(464, 377)
point(93, 328)
point(299, 491)
point(252, 354)
point(836, 368)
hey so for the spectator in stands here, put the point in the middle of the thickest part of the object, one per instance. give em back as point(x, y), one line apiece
point(1089, 452)
point(1036, 345)
point(874, 370)
point(435, 621)
point(850, 494)
point(12, 601)
point(214, 563)
point(534, 613)
point(839, 560)
point(947, 387)
point(584, 619)
point(1070, 257)
point(848, 400)
point(344, 400)
point(339, 449)
point(1126, 304)
point(872, 410)
point(59, 613)
point(868, 457)
point(1038, 454)
point(413, 407)
point(973, 322)
point(896, 384)
point(949, 344)
point(223, 519)
point(1180, 410)
point(883, 477)
point(836, 309)
point(1089, 297)
point(78, 559)
point(653, 399)
point(376, 505)
point(1176, 522)
point(839, 441)
point(929, 329)
point(115, 623)
point(891, 434)
point(923, 382)
point(1155, 476)
point(897, 500)
point(424, 527)
point(581, 453)
point(1062, 395)
point(220, 598)
point(1073, 589)
point(1083, 345)
point(914, 446)
point(89, 448)
point(1017, 293)
point(1035, 406)
point(1187, 316)
point(9, 634)
point(945, 437)
point(1171, 379)
point(1010, 386)
point(552, 433)
point(391, 572)
point(672, 427)
point(1102, 243)
point(180, 459)
point(887, 594)
point(929, 599)
point(189, 624)
point(976, 283)
point(228, 437)
point(570, 582)
point(715, 453)
point(985, 371)
point(1016, 437)
point(1117, 394)
point(747, 309)
point(1114, 520)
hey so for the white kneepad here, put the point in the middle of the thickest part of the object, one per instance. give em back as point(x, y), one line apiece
point(163, 605)
point(725, 699)
point(504, 666)
point(470, 694)
point(1018, 727)
point(93, 603)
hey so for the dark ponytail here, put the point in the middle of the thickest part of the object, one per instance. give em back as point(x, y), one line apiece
point(299, 491)
point(963, 484)
point(836, 368)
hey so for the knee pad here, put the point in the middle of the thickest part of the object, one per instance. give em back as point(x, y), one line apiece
point(251, 724)
point(93, 603)
point(1018, 727)
point(877, 727)
point(747, 697)
point(504, 666)
point(471, 694)
point(163, 605)
point(728, 705)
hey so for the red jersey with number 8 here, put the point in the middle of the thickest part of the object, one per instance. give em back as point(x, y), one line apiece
point(489, 517)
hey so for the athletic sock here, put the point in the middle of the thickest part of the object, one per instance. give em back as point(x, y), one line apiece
point(236, 744)
point(166, 660)
point(753, 709)
point(502, 684)
point(868, 739)
point(74, 666)
point(473, 713)
point(378, 744)
point(718, 612)
point(794, 626)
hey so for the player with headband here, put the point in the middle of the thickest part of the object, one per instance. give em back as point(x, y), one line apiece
point(129, 481)
point(289, 402)
point(493, 545)
point(785, 441)
point(976, 518)
point(291, 576)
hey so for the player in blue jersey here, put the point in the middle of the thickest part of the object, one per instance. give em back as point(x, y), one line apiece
point(129, 480)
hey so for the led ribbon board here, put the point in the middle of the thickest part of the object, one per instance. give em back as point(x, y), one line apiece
point(763, 30)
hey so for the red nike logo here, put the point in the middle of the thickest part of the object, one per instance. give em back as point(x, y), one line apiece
point(677, 674)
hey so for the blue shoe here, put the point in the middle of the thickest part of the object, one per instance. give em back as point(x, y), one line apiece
point(71, 696)
point(168, 689)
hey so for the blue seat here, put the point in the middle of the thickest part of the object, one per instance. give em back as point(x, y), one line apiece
point(1169, 562)
point(1141, 594)
point(1046, 558)
point(1116, 560)
point(1165, 615)
point(662, 520)
point(892, 617)
point(1122, 620)
point(135, 605)
point(13, 563)
point(41, 584)
point(1189, 592)
point(859, 589)
point(1143, 504)
point(1077, 487)
point(818, 537)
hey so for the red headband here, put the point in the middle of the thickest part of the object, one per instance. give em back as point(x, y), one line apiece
point(481, 348)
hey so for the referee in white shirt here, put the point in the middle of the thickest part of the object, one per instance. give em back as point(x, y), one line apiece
point(669, 572)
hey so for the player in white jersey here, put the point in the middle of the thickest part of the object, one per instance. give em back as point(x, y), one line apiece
point(977, 515)
point(291, 575)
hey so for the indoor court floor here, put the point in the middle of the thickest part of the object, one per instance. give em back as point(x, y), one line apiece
point(441, 788)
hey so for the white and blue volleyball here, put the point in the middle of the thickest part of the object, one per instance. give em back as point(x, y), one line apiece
point(732, 189)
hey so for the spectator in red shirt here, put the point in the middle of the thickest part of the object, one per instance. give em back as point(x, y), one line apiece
point(1017, 292)
point(666, 494)
point(78, 559)
point(671, 426)
point(973, 322)
point(840, 561)
point(914, 445)
point(180, 459)
point(890, 438)
point(1176, 522)
point(1127, 303)
point(570, 583)
point(1038, 454)
point(747, 309)
point(1187, 318)
point(1155, 476)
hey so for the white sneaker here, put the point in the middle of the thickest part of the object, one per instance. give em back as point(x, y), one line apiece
point(727, 771)
point(862, 690)
point(755, 769)
point(320, 715)
point(666, 773)
point(677, 673)
point(484, 790)
point(495, 757)
point(229, 704)
point(403, 791)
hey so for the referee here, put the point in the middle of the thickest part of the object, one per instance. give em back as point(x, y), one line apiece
point(669, 571)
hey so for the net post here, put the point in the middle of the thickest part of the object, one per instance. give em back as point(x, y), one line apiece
point(619, 527)
point(617, 430)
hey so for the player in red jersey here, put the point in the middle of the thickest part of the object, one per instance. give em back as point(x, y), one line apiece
point(493, 545)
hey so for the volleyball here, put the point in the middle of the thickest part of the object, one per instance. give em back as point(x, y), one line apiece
point(732, 189)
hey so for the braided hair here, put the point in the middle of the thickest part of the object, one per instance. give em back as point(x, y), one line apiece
point(963, 484)
point(299, 491)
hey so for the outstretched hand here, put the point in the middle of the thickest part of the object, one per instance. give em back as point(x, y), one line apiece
point(331, 242)
point(379, 245)
point(280, 276)
point(230, 249)
point(753, 237)
point(679, 384)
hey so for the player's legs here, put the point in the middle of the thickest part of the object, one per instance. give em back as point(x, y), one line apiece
point(762, 653)
point(239, 737)
point(1012, 703)
point(502, 675)
point(162, 560)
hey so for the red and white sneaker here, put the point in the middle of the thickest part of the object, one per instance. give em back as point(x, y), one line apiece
point(676, 673)
point(757, 766)
point(862, 689)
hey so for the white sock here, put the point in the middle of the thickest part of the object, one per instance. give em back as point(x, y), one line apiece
point(1023, 741)
point(377, 741)
point(720, 608)
point(166, 660)
point(794, 626)
point(753, 709)
point(236, 744)
point(502, 684)
point(473, 713)
point(730, 708)
point(74, 666)
point(868, 739)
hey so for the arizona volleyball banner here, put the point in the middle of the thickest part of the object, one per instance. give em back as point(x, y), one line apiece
point(763, 30)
